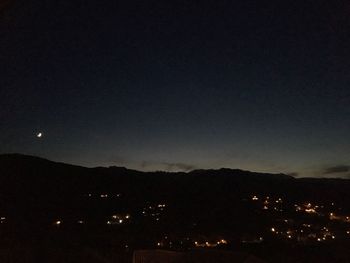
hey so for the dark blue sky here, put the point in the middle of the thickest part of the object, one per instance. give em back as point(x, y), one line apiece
point(256, 85)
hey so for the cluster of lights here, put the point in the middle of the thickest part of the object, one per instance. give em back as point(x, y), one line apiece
point(333, 216)
point(279, 201)
point(324, 238)
point(267, 201)
point(307, 208)
point(166, 242)
point(255, 198)
point(118, 219)
point(323, 235)
point(114, 220)
point(59, 222)
point(209, 244)
point(154, 211)
point(103, 195)
point(288, 233)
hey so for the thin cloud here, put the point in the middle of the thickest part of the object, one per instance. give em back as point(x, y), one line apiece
point(179, 167)
point(167, 166)
point(337, 169)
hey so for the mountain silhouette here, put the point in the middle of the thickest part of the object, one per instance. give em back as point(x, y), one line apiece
point(39, 187)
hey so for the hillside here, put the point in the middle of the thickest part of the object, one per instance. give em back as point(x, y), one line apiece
point(42, 187)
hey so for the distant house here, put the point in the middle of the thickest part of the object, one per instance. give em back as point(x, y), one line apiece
point(195, 256)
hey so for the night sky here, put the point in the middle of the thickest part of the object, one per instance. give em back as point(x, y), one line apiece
point(158, 85)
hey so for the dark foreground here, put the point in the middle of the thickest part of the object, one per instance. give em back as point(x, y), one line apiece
point(54, 212)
